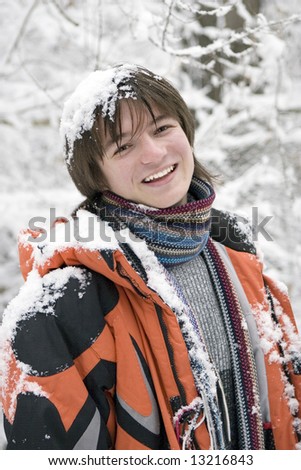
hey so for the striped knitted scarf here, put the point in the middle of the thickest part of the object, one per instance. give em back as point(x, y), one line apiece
point(176, 234)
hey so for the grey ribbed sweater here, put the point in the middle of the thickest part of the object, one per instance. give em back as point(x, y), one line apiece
point(194, 280)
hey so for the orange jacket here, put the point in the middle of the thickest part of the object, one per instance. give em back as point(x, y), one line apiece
point(96, 358)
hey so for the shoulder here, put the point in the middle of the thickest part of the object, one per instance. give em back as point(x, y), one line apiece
point(86, 291)
point(232, 231)
point(64, 317)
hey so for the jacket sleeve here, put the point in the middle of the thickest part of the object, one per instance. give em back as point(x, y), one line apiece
point(291, 344)
point(60, 371)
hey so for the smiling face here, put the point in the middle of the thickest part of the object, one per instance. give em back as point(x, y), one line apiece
point(152, 162)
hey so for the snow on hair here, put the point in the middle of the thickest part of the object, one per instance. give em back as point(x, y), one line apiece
point(99, 89)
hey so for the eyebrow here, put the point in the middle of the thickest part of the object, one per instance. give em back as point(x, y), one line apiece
point(125, 135)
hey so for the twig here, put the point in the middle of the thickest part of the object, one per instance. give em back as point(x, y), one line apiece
point(171, 4)
point(37, 83)
point(63, 13)
point(220, 11)
point(99, 35)
point(21, 31)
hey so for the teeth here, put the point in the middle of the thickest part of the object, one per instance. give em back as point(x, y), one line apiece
point(160, 174)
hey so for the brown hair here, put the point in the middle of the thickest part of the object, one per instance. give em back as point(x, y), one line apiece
point(142, 90)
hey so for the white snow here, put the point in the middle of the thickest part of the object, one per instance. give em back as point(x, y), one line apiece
point(271, 335)
point(37, 294)
point(100, 88)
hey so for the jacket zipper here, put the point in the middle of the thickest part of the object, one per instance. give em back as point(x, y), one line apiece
point(123, 273)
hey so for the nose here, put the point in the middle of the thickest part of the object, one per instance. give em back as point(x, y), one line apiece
point(152, 150)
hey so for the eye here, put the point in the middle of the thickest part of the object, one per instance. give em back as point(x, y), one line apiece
point(161, 129)
point(121, 149)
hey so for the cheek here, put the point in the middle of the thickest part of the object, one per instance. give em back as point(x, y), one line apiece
point(117, 175)
point(109, 168)
point(107, 174)
point(187, 154)
point(183, 145)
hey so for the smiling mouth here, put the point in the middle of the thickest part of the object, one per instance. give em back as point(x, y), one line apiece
point(160, 174)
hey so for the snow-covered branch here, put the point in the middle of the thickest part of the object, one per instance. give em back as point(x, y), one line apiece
point(211, 11)
point(222, 45)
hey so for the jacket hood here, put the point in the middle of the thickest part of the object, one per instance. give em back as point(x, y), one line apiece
point(88, 241)
point(65, 243)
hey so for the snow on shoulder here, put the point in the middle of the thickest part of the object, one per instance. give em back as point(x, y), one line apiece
point(86, 231)
point(100, 88)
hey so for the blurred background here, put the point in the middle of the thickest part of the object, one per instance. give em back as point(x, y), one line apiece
point(237, 64)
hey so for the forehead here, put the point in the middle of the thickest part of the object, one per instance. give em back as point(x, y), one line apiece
point(130, 117)
point(135, 115)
